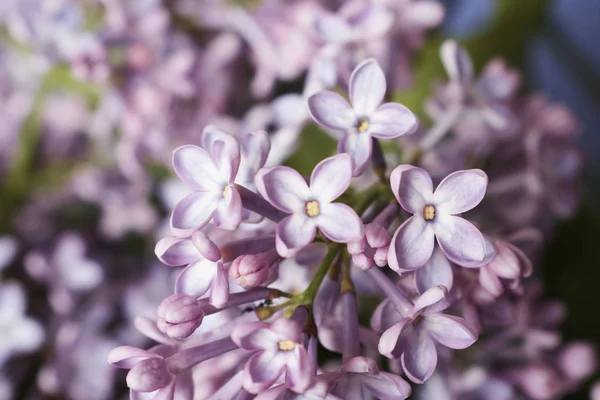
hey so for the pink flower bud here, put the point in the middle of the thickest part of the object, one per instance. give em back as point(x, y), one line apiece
point(372, 249)
point(149, 375)
point(179, 315)
point(252, 270)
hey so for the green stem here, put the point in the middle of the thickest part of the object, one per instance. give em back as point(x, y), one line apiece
point(309, 294)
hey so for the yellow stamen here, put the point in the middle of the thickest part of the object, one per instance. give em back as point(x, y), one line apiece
point(429, 212)
point(286, 345)
point(362, 125)
point(226, 190)
point(312, 208)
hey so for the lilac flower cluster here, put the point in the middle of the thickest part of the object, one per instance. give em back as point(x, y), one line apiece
point(452, 277)
point(403, 266)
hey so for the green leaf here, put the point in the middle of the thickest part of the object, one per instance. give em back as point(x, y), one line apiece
point(315, 145)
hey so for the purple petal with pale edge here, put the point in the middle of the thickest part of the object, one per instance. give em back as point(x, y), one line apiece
point(449, 331)
point(255, 336)
point(299, 370)
point(460, 191)
point(331, 110)
point(437, 271)
point(288, 329)
point(339, 223)
point(207, 248)
point(293, 234)
point(226, 154)
point(219, 293)
point(386, 315)
point(394, 341)
point(526, 265)
point(361, 365)
point(367, 87)
point(229, 211)
point(196, 278)
point(195, 168)
point(359, 147)
point(148, 328)
point(412, 244)
point(490, 281)
point(412, 186)
point(224, 149)
point(193, 212)
point(433, 300)
point(386, 386)
point(506, 264)
point(262, 370)
point(175, 251)
point(331, 177)
point(391, 120)
point(420, 358)
point(126, 356)
point(376, 235)
point(284, 188)
point(459, 239)
point(256, 146)
point(456, 61)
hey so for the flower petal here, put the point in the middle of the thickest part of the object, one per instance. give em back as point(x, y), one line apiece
point(197, 278)
point(219, 291)
point(490, 281)
point(433, 300)
point(450, 331)
point(254, 336)
point(195, 168)
point(459, 239)
point(229, 210)
point(284, 188)
point(457, 62)
point(437, 271)
point(412, 186)
point(387, 314)
point(224, 149)
point(193, 212)
point(299, 371)
point(359, 147)
point(339, 223)
point(127, 356)
point(331, 110)
point(460, 191)
point(412, 244)
point(331, 177)
point(391, 120)
point(262, 370)
point(367, 87)
point(294, 233)
point(386, 386)
point(420, 358)
point(174, 251)
point(394, 341)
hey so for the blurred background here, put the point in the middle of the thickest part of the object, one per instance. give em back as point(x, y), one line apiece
point(94, 94)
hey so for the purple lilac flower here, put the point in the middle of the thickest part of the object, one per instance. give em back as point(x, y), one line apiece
point(211, 173)
point(435, 217)
point(367, 118)
point(409, 331)
point(360, 376)
point(372, 249)
point(278, 349)
point(311, 206)
point(205, 274)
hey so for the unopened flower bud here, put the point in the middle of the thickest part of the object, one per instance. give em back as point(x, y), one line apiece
point(252, 270)
point(179, 315)
point(372, 249)
point(149, 375)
